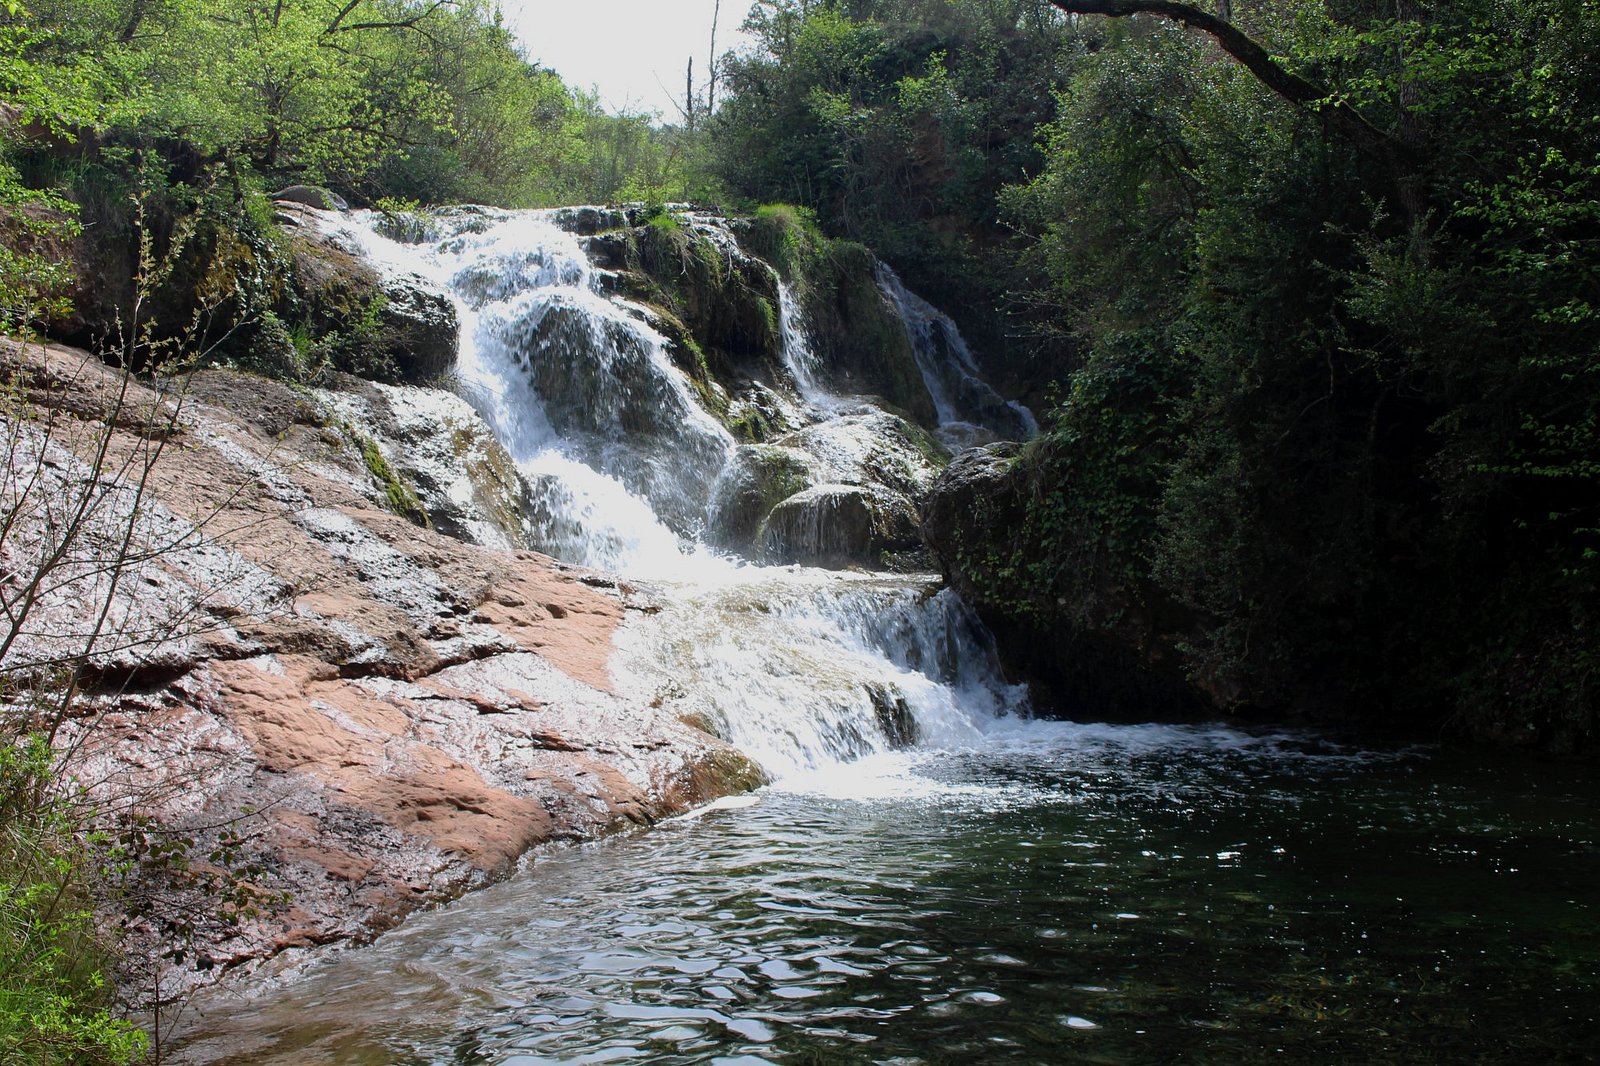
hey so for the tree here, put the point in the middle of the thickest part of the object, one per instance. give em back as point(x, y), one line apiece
point(1270, 70)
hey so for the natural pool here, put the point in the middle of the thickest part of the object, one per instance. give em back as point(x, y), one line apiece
point(1058, 894)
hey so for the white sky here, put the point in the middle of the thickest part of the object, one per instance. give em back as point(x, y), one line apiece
point(633, 50)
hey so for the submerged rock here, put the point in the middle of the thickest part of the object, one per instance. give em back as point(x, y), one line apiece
point(587, 221)
point(606, 385)
point(894, 715)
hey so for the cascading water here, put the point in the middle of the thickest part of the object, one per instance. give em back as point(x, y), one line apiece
point(1010, 892)
point(969, 409)
point(798, 357)
point(802, 668)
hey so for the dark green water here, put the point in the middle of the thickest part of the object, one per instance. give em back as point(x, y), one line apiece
point(1067, 894)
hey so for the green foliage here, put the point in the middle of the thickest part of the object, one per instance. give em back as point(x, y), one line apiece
point(377, 98)
point(54, 998)
point(897, 122)
point(400, 497)
point(35, 226)
point(1368, 382)
point(790, 239)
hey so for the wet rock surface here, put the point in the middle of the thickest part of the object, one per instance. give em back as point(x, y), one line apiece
point(839, 492)
point(837, 525)
point(409, 320)
point(386, 715)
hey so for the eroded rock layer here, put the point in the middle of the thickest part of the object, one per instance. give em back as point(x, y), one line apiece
point(385, 715)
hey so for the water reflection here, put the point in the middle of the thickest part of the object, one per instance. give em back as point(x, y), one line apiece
point(1069, 894)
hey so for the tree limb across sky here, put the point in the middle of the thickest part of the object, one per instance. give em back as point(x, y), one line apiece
point(1267, 68)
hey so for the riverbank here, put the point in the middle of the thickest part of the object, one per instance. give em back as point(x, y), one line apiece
point(378, 716)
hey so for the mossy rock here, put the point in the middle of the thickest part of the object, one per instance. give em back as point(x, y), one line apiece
point(729, 772)
point(894, 715)
point(311, 196)
point(839, 526)
point(757, 478)
point(727, 300)
point(786, 236)
point(858, 335)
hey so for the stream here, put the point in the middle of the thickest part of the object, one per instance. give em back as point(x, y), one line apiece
point(933, 876)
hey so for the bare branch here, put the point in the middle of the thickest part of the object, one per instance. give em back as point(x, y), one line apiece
point(388, 24)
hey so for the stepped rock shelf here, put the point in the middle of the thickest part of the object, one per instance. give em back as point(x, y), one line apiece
point(406, 714)
point(347, 644)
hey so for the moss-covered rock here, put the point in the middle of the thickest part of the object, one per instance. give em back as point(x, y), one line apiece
point(1082, 641)
point(395, 329)
point(311, 196)
point(868, 446)
point(716, 306)
point(757, 478)
point(858, 334)
point(438, 446)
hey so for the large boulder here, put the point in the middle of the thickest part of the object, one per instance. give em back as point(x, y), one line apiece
point(1080, 657)
point(975, 476)
point(418, 328)
point(393, 326)
point(441, 449)
point(868, 446)
point(757, 478)
point(311, 196)
point(838, 526)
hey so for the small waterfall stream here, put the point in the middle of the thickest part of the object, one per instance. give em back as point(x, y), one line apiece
point(802, 668)
point(968, 407)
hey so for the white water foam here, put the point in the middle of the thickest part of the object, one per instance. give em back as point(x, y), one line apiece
point(806, 670)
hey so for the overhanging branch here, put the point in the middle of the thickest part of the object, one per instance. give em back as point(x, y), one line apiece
point(1367, 138)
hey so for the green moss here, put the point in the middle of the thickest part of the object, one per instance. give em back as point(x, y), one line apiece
point(662, 220)
point(856, 331)
point(789, 238)
point(782, 474)
point(749, 424)
point(400, 497)
point(726, 772)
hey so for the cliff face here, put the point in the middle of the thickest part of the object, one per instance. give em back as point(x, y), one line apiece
point(384, 716)
point(1090, 646)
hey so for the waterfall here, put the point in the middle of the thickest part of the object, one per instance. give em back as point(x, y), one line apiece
point(969, 409)
point(800, 667)
point(798, 357)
